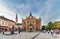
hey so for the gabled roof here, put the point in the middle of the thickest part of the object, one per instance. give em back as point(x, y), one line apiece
point(2, 17)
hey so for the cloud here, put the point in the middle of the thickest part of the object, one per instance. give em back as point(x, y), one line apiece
point(48, 10)
point(9, 10)
point(23, 9)
point(6, 12)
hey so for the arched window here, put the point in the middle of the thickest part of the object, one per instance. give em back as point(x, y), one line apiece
point(24, 22)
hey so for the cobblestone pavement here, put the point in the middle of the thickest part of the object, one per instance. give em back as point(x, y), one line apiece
point(47, 36)
point(29, 35)
point(22, 35)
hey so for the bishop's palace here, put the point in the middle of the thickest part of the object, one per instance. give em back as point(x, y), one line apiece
point(31, 23)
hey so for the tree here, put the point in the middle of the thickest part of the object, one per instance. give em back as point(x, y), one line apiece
point(50, 26)
point(43, 27)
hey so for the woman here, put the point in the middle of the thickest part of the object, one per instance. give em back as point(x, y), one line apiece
point(3, 31)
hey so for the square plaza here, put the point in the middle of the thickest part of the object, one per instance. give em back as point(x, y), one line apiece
point(29, 19)
point(28, 35)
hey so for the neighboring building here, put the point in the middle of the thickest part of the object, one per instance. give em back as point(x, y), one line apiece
point(7, 23)
point(31, 23)
point(57, 24)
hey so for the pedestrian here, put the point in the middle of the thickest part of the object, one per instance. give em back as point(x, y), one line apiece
point(19, 30)
point(52, 32)
point(44, 31)
point(48, 31)
point(12, 30)
point(3, 31)
point(57, 32)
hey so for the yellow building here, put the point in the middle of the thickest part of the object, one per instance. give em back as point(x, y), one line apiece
point(57, 24)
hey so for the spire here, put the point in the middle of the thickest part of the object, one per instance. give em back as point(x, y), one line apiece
point(30, 14)
point(16, 18)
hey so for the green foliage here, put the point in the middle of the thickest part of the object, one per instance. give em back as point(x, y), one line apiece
point(43, 27)
point(50, 26)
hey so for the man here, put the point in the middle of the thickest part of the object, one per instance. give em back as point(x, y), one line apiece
point(12, 30)
point(19, 30)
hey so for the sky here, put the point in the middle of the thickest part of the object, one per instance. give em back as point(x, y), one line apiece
point(47, 10)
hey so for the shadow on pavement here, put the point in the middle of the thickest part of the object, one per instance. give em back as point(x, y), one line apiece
point(35, 36)
point(11, 34)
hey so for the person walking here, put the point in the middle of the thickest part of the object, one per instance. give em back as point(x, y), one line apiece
point(12, 30)
point(48, 31)
point(3, 31)
point(19, 30)
point(52, 32)
point(57, 32)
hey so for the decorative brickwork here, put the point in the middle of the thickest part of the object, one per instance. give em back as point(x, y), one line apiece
point(31, 23)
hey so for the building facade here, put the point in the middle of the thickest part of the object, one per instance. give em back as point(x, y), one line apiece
point(31, 23)
point(7, 24)
point(57, 24)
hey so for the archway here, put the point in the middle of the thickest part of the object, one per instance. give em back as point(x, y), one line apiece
point(30, 28)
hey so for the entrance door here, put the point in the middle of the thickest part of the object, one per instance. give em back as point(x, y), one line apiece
point(30, 29)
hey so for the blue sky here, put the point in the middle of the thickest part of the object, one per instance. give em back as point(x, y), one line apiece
point(47, 10)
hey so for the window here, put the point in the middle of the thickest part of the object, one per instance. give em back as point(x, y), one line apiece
point(3, 23)
point(37, 22)
point(24, 22)
point(30, 23)
point(6, 23)
point(0, 23)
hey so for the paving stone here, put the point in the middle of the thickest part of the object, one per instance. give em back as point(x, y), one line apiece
point(29, 35)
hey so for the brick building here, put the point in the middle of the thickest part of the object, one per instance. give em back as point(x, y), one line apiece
point(31, 23)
